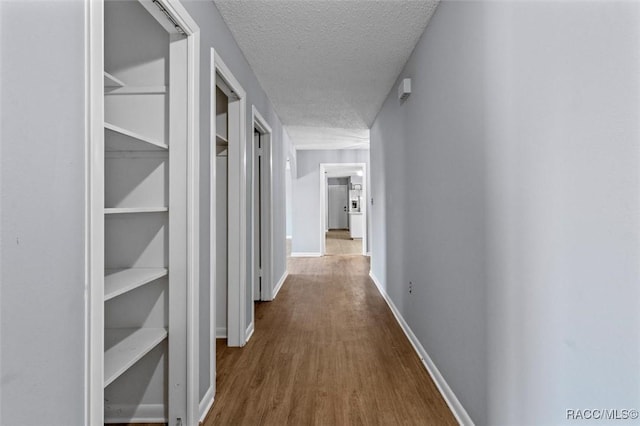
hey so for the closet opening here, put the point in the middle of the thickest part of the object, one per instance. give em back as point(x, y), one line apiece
point(142, 251)
point(233, 303)
point(262, 227)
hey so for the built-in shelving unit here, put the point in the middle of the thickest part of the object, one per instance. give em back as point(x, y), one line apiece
point(137, 211)
point(143, 236)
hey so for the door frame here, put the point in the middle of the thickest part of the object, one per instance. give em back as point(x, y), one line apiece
point(188, 401)
point(222, 77)
point(266, 133)
point(324, 168)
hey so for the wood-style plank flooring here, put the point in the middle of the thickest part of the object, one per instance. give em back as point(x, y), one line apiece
point(327, 351)
point(339, 242)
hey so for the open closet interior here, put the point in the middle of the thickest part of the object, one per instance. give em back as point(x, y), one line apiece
point(222, 189)
point(145, 213)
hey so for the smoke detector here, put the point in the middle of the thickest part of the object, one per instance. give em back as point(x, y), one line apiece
point(404, 89)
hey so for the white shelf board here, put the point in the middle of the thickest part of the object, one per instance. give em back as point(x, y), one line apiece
point(125, 346)
point(120, 281)
point(111, 81)
point(136, 90)
point(221, 141)
point(127, 210)
point(120, 145)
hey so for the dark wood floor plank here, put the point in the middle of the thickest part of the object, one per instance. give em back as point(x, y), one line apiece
point(327, 351)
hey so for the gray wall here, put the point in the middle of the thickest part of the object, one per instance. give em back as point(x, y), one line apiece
point(306, 193)
point(215, 33)
point(42, 204)
point(518, 151)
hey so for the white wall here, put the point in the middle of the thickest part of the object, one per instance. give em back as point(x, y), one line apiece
point(518, 156)
point(42, 201)
point(306, 193)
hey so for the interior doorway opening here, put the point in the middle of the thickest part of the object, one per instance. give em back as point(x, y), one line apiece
point(228, 207)
point(344, 211)
point(262, 224)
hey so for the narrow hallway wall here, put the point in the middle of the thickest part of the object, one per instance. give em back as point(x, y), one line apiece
point(42, 213)
point(516, 156)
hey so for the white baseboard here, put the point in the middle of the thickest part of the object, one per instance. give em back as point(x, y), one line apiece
point(134, 413)
point(450, 398)
point(305, 254)
point(368, 254)
point(221, 332)
point(206, 403)
point(280, 284)
point(249, 332)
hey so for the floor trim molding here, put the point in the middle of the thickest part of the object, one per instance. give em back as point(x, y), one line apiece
point(132, 413)
point(249, 332)
point(450, 398)
point(280, 284)
point(221, 332)
point(206, 403)
point(305, 254)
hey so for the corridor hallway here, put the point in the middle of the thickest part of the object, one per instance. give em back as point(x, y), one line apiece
point(326, 351)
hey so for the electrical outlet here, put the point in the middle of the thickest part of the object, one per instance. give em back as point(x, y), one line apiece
point(410, 287)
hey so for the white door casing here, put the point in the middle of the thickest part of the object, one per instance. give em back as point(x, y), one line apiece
point(222, 77)
point(266, 220)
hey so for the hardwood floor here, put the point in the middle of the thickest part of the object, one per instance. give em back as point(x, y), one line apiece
point(327, 351)
point(339, 242)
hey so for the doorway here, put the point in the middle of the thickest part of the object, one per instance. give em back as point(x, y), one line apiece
point(143, 148)
point(344, 221)
point(261, 285)
point(228, 206)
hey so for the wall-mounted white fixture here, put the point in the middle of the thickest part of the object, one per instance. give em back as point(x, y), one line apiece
point(359, 173)
point(404, 89)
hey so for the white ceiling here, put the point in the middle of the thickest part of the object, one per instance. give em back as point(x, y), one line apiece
point(328, 138)
point(326, 64)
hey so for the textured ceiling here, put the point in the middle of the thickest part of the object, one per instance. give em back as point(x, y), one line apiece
point(328, 137)
point(327, 63)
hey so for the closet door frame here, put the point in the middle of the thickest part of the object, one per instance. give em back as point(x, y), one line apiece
point(266, 133)
point(184, 405)
point(237, 294)
point(94, 214)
